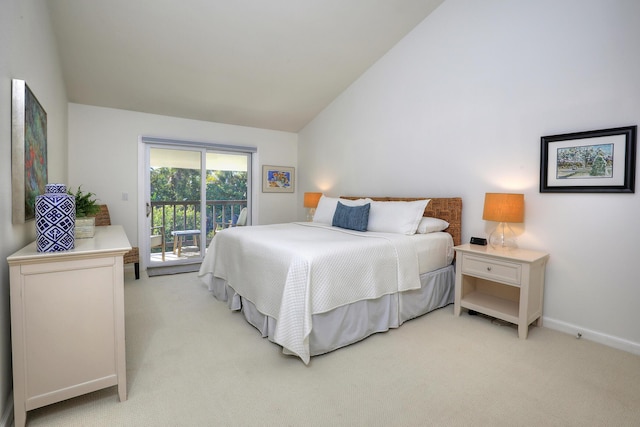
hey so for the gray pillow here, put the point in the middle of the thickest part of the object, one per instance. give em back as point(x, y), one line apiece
point(351, 217)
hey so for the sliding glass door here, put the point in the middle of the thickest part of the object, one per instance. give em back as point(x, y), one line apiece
point(173, 207)
point(227, 189)
point(191, 191)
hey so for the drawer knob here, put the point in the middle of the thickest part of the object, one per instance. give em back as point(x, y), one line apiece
point(488, 268)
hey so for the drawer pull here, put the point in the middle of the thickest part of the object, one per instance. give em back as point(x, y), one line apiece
point(488, 268)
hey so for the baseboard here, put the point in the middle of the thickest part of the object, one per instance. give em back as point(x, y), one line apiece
point(599, 337)
point(7, 416)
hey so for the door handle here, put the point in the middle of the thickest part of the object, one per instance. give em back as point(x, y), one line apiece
point(148, 209)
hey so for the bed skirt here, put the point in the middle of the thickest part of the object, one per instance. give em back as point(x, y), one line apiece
point(352, 323)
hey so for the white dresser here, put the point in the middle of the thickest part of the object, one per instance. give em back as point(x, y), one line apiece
point(67, 321)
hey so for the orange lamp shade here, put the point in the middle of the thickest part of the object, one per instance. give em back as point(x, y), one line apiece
point(311, 200)
point(503, 207)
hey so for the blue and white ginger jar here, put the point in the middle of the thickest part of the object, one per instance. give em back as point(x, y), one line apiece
point(55, 219)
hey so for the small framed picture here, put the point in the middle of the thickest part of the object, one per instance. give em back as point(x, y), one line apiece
point(278, 179)
point(600, 161)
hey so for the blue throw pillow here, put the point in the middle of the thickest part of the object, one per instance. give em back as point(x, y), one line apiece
point(351, 217)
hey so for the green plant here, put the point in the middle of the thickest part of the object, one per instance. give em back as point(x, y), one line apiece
point(85, 204)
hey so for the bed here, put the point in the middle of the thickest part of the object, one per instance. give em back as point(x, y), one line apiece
point(312, 287)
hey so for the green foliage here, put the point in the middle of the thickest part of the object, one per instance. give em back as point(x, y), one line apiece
point(174, 184)
point(226, 185)
point(85, 204)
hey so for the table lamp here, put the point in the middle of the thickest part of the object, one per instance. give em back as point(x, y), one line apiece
point(311, 201)
point(504, 208)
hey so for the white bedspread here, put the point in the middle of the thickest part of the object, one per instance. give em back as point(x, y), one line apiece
point(291, 271)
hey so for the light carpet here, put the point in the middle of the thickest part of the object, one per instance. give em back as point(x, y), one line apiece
point(192, 362)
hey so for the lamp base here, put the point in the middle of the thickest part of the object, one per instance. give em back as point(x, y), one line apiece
point(310, 213)
point(503, 237)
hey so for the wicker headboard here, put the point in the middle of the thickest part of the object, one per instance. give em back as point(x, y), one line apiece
point(449, 209)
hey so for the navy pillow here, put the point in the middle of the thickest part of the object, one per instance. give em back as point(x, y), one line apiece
point(351, 217)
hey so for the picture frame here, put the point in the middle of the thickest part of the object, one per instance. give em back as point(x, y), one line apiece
point(598, 161)
point(29, 169)
point(278, 179)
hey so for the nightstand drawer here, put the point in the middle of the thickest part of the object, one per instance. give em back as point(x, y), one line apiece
point(506, 272)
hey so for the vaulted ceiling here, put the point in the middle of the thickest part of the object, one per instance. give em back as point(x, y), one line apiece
point(272, 64)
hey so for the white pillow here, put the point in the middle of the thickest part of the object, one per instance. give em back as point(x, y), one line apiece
point(396, 217)
point(431, 225)
point(327, 208)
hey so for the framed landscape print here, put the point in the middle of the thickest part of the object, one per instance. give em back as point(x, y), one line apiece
point(601, 161)
point(28, 151)
point(278, 179)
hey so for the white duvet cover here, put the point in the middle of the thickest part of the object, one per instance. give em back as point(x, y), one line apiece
point(292, 271)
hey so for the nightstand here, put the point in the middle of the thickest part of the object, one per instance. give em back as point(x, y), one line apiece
point(505, 284)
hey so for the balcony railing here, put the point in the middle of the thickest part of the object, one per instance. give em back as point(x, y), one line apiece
point(185, 215)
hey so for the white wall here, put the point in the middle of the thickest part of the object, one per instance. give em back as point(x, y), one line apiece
point(27, 52)
point(103, 158)
point(458, 107)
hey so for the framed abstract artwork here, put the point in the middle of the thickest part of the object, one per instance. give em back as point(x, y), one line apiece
point(278, 179)
point(28, 151)
point(600, 161)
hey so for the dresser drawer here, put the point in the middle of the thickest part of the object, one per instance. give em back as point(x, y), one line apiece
point(502, 271)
